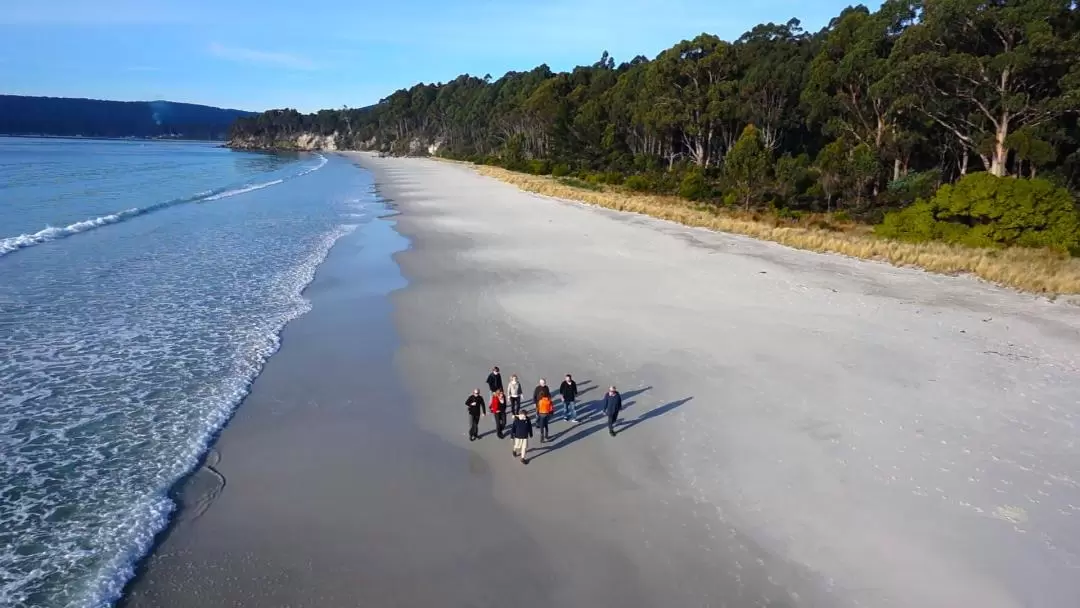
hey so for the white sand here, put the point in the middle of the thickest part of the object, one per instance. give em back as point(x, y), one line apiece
point(891, 437)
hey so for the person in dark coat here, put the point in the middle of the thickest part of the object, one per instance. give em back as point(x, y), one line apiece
point(521, 430)
point(494, 380)
point(475, 405)
point(568, 390)
point(498, 409)
point(612, 406)
point(541, 390)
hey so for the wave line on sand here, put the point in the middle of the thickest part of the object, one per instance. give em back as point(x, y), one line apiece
point(51, 233)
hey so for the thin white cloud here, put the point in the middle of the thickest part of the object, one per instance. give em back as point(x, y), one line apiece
point(268, 58)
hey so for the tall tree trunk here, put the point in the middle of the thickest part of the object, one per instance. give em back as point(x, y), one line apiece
point(1001, 153)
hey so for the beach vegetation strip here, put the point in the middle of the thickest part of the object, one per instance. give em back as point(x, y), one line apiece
point(1038, 270)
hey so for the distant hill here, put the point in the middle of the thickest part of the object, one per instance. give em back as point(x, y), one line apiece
point(64, 116)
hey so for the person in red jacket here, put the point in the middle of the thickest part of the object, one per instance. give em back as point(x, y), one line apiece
point(498, 409)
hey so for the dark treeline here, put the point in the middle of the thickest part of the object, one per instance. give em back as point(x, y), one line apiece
point(64, 116)
point(871, 113)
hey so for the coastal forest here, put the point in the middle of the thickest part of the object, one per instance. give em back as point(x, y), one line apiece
point(950, 120)
point(70, 117)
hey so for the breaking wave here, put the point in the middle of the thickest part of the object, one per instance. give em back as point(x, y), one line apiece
point(51, 233)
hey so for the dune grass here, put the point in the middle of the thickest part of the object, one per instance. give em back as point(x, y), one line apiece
point(1031, 270)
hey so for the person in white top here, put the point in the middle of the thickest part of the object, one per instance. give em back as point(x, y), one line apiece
point(513, 391)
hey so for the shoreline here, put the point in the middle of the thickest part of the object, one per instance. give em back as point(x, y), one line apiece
point(265, 527)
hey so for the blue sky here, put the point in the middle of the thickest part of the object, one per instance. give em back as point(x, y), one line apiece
point(260, 54)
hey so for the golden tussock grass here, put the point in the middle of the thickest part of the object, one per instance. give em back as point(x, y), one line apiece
point(1031, 270)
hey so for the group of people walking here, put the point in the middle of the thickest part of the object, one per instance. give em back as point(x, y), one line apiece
point(508, 400)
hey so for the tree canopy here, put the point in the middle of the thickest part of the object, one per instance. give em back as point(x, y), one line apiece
point(859, 116)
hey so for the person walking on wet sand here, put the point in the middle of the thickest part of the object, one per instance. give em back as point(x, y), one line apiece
point(514, 391)
point(521, 430)
point(498, 409)
point(568, 390)
point(475, 405)
point(494, 380)
point(612, 406)
point(544, 407)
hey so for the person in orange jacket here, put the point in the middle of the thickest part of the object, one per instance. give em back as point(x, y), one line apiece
point(544, 408)
point(498, 409)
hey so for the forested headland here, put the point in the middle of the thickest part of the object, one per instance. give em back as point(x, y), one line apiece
point(935, 120)
point(64, 116)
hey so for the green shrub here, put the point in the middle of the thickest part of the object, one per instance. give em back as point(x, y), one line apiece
point(594, 178)
point(842, 216)
point(539, 167)
point(638, 183)
point(786, 213)
point(908, 189)
point(982, 210)
point(614, 178)
point(560, 170)
point(574, 182)
point(694, 187)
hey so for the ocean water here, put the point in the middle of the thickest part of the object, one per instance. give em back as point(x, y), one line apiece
point(142, 287)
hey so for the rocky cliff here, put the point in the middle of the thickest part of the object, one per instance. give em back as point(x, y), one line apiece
point(297, 141)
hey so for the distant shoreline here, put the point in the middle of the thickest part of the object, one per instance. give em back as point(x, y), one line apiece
point(107, 138)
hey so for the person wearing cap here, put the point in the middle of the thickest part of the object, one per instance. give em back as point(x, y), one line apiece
point(475, 405)
point(494, 380)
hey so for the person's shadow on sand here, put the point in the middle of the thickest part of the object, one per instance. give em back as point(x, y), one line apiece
point(621, 426)
point(649, 415)
point(594, 410)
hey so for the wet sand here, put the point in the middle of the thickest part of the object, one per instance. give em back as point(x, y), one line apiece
point(800, 429)
point(321, 491)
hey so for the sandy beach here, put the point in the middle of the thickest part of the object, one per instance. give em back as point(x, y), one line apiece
point(799, 430)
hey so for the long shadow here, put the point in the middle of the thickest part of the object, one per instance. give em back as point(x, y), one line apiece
point(593, 409)
point(627, 397)
point(582, 391)
point(619, 427)
point(543, 449)
point(631, 394)
point(592, 412)
point(649, 415)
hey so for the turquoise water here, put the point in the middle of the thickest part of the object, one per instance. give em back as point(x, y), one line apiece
point(142, 287)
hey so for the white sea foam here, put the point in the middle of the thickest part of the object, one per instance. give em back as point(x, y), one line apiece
point(322, 163)
point(53, 232)
point(50, 233)
point(106, 410)
point(243, 190)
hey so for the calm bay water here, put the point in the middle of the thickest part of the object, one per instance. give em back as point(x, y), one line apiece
point(142, 287)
